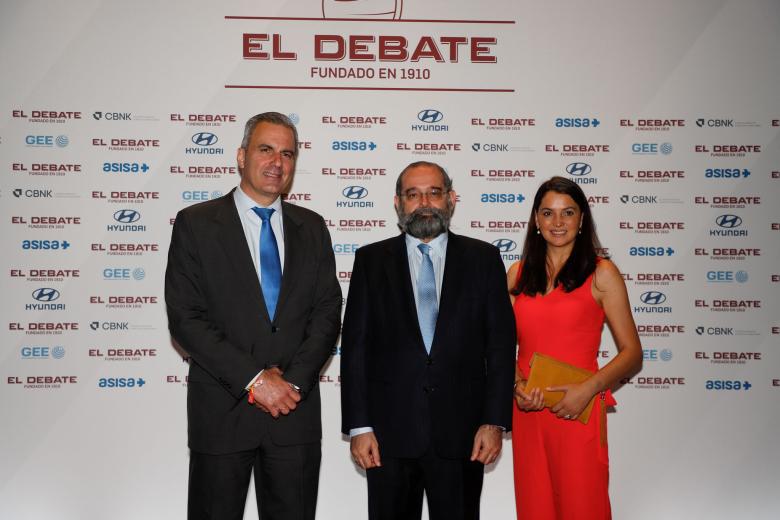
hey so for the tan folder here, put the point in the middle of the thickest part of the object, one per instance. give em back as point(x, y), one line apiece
point(548, 371)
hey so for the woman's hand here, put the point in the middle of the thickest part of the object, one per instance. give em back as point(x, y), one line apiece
point(528, 402)
point(576, 398)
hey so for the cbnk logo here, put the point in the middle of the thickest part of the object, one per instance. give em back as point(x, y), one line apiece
point(46, 294)
point(127, 216)
point(505, 245)
point(728, 221)
point(204, 139)
point(120, 382)
point(652, 297)
point(355, 192)
point(430, 115)
point(578, 169)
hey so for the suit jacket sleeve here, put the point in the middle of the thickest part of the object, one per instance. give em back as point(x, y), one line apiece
point(500, 345)
point(354, 345)
point(322, 327)
point(188, 315)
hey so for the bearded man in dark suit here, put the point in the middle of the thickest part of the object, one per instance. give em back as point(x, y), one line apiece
point(428, 354)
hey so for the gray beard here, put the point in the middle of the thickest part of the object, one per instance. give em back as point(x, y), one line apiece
point(425, 223)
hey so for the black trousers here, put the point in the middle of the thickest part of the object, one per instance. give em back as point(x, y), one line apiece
point(286, 481)
point(452, 487)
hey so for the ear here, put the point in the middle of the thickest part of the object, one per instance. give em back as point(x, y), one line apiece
point(240, 157)
point(453, 197)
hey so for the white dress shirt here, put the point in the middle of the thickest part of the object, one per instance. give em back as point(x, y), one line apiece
point(252, 224)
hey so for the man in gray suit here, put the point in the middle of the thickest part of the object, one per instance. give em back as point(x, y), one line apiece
point(252, 296)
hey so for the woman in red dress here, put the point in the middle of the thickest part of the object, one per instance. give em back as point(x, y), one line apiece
point(562, 295)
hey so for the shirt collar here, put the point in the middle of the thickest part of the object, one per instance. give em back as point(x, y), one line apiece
point(438, 244)
point(244, 203)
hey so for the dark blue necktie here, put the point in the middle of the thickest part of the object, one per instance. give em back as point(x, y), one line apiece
point(428, 303)
point(270, 266)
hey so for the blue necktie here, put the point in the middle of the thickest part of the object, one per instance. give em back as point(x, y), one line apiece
point(428, 304)
point(270, 266)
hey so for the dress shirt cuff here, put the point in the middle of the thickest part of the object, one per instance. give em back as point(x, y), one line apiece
point(254, 380)
point(353, 432)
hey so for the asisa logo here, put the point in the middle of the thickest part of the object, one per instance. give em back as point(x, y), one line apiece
point(121, 382)
point(502, 198)
point(576, 122)
point(726, 173)
point(727, 384)
point(650, 251)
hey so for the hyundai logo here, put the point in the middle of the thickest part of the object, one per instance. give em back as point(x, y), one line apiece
point(578, 168)
point(728, 221)
point(127, 216)
point(355, 192)
point(430, 115)
point(46, 294)
point(653, 297)
point(204, 139)
point(505, 245)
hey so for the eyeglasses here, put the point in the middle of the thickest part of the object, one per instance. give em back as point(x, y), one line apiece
point(434, 194)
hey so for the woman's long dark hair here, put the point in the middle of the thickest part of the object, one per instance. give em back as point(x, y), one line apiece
point(582, 261)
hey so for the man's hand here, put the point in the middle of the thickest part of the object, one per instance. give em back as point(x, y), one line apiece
point(273, 394)
point(487, 444)
point(365, 450)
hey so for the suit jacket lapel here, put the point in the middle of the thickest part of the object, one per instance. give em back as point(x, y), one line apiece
point(400, 285)
point(294, 254)
point(233, 241)
point(453, 273)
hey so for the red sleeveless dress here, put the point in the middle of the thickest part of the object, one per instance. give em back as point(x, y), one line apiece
point(561, 466)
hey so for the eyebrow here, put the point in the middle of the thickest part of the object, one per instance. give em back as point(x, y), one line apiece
point(551, 209)
point(260, 145)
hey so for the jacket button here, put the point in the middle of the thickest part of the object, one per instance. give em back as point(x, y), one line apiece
point(274, 330)
point(428, 389)
point(429, 362)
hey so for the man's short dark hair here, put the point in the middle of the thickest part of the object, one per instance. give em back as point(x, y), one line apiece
point(268, 117)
